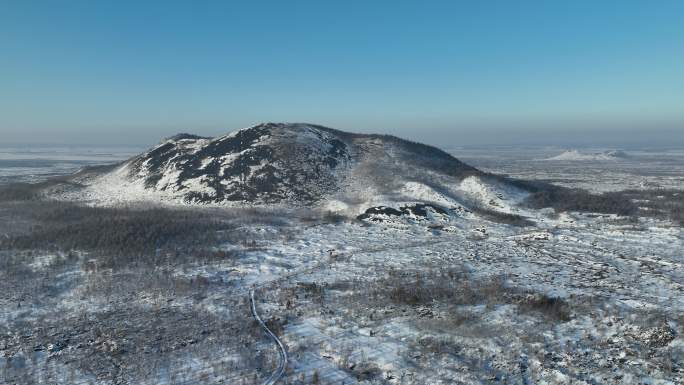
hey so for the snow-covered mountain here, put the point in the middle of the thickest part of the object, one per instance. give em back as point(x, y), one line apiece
point(295, 163)
point(575, 155)
point(265, 163)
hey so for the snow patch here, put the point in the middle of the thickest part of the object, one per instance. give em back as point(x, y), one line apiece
point(575, 155)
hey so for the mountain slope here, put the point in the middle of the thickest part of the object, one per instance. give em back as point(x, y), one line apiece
point(300, 164)
point(265, 163)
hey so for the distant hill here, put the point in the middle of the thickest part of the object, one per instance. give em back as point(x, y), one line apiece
point(575, 155)
point(297, 164)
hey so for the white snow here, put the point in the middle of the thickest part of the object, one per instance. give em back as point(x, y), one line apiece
point(576, 155)
point(493, 195)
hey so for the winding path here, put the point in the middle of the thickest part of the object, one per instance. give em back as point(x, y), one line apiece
point(275, 376)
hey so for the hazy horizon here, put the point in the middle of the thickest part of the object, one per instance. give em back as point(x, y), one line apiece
point(454, 138)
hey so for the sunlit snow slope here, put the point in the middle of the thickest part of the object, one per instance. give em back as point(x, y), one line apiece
point(303, 164)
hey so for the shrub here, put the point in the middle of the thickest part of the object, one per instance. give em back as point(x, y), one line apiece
point(19, 192)
point(454, 286)
point(505, 218)
point(120, 235)
point(552, 307)
point(564, 199)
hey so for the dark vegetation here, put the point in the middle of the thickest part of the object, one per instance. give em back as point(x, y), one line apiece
point(19, 192)
point(125, 236)
point(30, 191)
point(664, 204)
point(132, 344)
point(417, 209)
point(119, 236)
point(255, 165)
point(564, 199)
point(414, 153)
point(500, 217)
point(457, 287)
point(449, 286)
point(138, 313)
point(658, 203)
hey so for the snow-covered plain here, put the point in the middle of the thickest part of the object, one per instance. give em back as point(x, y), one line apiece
point(577, 298)
point(624, 284)
point(324, 284)
point(37, 164)
point(637, 169)
point(576, 155)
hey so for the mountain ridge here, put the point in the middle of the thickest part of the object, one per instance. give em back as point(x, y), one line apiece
point(298, 164)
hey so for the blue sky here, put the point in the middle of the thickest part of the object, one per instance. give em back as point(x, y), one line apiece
point(444, 72)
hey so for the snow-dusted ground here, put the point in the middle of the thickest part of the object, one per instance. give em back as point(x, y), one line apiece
point(575, 299)
point(37, 164)
point(576, 155)
point(615, 278)
point(324, 284)
point(636, 168)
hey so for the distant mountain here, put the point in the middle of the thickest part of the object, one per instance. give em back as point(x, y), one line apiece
point(298, 164)
point(575, 155)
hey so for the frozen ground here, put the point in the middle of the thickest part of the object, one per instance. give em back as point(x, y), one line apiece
point(635, 168)
point(622, 286)
point(580, 299)
point(37, 164)
point(576, 298)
